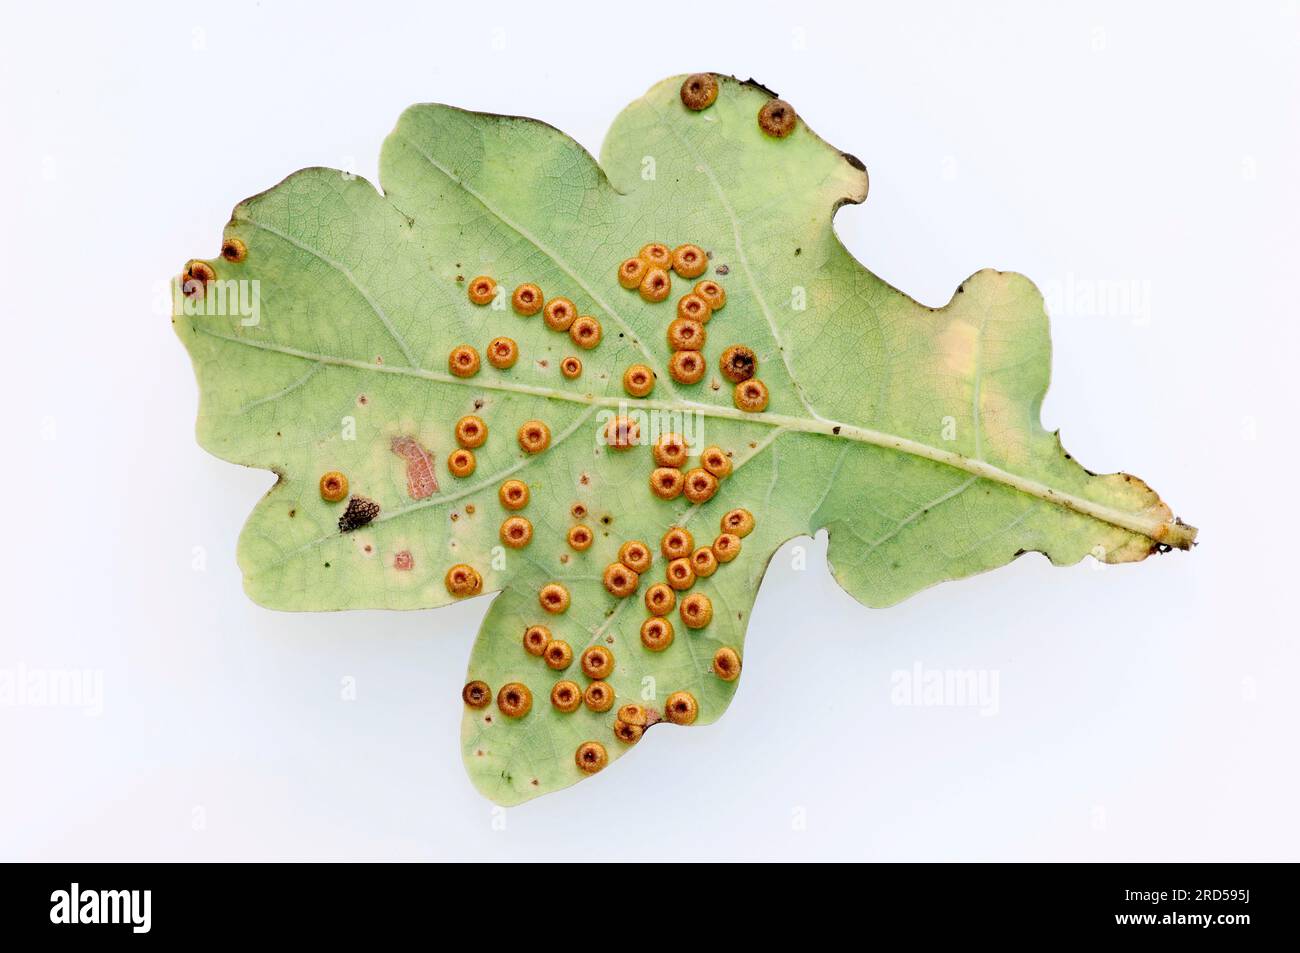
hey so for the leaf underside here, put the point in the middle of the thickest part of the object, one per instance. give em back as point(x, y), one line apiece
point(911, 434)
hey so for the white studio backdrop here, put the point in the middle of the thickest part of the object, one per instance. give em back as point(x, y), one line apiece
point(1138, 162)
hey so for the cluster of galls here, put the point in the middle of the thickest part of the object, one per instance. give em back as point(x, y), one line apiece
point(560, 314)
point(648, 272)
point(699, 484)
point(686, 564)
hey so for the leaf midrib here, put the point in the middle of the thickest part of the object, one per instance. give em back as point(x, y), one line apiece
point(1162, 531)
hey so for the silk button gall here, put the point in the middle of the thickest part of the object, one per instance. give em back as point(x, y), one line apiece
point(476, 694)
point(726, 664)
point(738, 363)
point(622, 433)
point(558, 655)
point(777, 118)
point(628, 734)
point(681, 708)
point(553, 598)
point(571, 368)
point(461, 462)
point(463, 361)
point(502, 353)
point(513, 494)
point(638, 380)
point(580, 538)
point(660, 599)
point(686, 335)
point(620, 581)
point(462, 580)
point(599, 696)
point(656, 633)
point(656, 255)
point(666, 483)
point(635, 555)
point(751, 396)
point(655, 285)
point(716, 461)
point(699, 91)
point(482, 290)
point(591, 757)
point(633, 715)
point(597, 662)
point(234, 250)
point(566, 697)
point(696, 611)
point(471, 431)
point(534, 436)
point(676, 543)
point(585, 332)
point(689, 261)
point(686, 367)
point(700, 485)
point(514, 700)
point(739, 522)
point(632, 271)
point(516, 532)
point(527, 300)
point(726, 547)
point(536, 639)
point(704, 562)
point(333, 486)
point(670, 450)
point(559, 314)
point(680, 574)
point(713, 294)
point(693, 307)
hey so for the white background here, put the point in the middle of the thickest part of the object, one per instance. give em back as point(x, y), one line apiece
point(1144, 712)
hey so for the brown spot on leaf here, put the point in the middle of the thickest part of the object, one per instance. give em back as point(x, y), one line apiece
point(421, 482)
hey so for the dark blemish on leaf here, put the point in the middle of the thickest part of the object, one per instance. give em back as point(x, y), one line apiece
point(607, 519)
point(759, 86)
point(421, 482)
point(543, 363)
point(460, 279)
point(798, 251)
point(534, 782)
point(455, 516)
point(853, 161)
point(361, 510)
point(961, 289)
point(584, 479)
point(836, 430)
point(478, 403)
point(368, 548)
point(292, 514)
point(327, 565)
point(403, 561)
point(362, 399)
point(1018, 553)
point(723, 269)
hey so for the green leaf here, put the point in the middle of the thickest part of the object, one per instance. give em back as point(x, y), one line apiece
point(911, 434)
